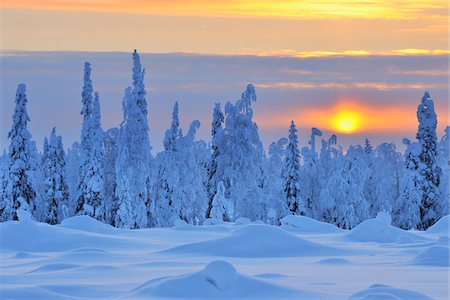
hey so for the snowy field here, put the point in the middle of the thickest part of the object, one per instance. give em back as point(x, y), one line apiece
point(302, 259)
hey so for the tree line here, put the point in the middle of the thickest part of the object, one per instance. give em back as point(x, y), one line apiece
point(112, 176)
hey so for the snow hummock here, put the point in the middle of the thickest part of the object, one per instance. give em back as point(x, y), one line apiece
point(306, 224)
point(219, 279)
point(257, 241)
point(380, 230)
point(441, 226)
point(86, 223)
point(221, 274)
point(433, 256)
point(386, 292)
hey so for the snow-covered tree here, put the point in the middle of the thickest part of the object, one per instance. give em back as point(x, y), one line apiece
point(73, 171)
point(90, 199)
point(110, 156)
point(133, 156)
point(219, 204)
point(370, 190)
point(309, 174)
point(429, 168)
point(291, 174)
point(180, 192)
point(19, 191)
point(239, 162)
point(216, 144)
point(444, 161)
point(406, 210)
point(388, 164)
point(56, 192)
point(4, 201)
point(273, 183)
point(173, 133)
point(343, 193)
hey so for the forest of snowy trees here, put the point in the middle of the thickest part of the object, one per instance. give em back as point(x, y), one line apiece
point(112, 176)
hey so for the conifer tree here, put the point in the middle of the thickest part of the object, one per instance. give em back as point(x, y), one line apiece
point(133, 156)
point(19, 191)
point(429, 168)
point(407, 207)
point(90, 200)
point(56, 192)
point(291, 179)
point(216, 144)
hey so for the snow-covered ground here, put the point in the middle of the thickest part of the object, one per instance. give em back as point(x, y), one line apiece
point(302, 259)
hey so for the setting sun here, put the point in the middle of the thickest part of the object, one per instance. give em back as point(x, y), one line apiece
point(347, 121)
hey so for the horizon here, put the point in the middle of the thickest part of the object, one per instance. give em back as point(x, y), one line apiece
point(185, 77)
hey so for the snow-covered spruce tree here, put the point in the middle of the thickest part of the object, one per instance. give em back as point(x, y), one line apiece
point(133, 156)
point(291, 174)
point(388, 165)
point(216, 144)
point(370, 191)
point(193, 193)
point(56, 192)
point(219, 209)
point(110, 156)
point(406, 210)
point(90, 199)
point(173, 133)
point(20, 192)
point(180, 193)
point(343, 190)
point(168, 185)
point(239, 162)
point(73, 172)
point(309, 174)
point(273, 183)
point(4, 201)
point(429, 168)
point(444, 161)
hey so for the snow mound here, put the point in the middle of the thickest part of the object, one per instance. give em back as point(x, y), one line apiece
point(379, 230)
point(218, 280)
point(221, 274)
point(213, 221)
point(30, 236)
point(334, 261)
point(433, 256)
point(257, 241)
point(441, 226)
point(386, 292)
point(242, 221)
point(305, 224)
point(86, 223)
point(55, 267)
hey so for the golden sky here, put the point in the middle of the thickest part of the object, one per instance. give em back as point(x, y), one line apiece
point(288, 28)
point(388, 31)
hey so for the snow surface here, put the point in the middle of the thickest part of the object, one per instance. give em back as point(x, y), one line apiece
point(85, 259)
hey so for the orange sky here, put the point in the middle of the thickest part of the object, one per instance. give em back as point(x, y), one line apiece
point(257, 27)
point(300, 29)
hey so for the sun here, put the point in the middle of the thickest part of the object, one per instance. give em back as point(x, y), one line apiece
point(346, 121)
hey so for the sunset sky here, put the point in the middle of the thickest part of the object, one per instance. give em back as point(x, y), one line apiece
point(356, 68)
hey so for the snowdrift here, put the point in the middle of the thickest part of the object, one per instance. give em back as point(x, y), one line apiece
point(380, 230)
point(433, 256)
point(386, 292)
point(218, 280)
point(308, 225)
point(86, 223)
point(27, 235)
point(257, 241)
point(441, 226)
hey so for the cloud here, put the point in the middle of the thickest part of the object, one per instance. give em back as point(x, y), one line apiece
point(384, 89)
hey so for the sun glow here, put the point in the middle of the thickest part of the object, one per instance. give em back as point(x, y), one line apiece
point(347, 121)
